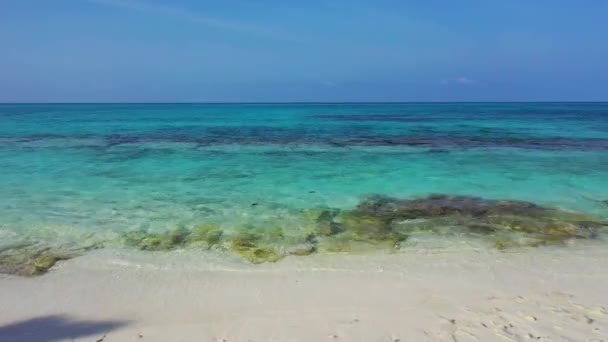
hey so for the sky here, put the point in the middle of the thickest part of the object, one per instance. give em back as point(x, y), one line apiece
point(303, 51)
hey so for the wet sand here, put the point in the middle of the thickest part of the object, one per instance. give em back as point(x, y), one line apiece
point(544, 294)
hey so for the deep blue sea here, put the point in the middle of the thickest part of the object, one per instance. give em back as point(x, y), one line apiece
point(75, 172)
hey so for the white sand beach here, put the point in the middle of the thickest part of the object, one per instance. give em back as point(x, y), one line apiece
point(436, 295)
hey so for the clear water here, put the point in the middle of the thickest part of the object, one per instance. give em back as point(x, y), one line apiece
point(74, 171)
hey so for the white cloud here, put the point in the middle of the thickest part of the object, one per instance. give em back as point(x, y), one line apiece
point(464, 80)
point(457, 81)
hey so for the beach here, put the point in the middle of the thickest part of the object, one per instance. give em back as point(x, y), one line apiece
point(303, 222)
point(281, 171)
point(434, 295)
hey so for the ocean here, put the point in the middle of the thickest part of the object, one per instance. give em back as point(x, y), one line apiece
point(130, 175)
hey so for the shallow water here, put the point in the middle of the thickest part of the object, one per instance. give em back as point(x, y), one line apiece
point(93, 171)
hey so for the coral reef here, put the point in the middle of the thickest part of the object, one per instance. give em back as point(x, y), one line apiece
point(31, 259)
point(376, 222)
point(255, 246)
point(208, 234)
point(508, 223)
point(385, 222)
point(157, 241)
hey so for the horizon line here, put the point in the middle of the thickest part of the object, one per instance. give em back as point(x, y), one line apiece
point(299, 102)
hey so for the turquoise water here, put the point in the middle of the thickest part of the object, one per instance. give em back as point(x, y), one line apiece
point(78, 171)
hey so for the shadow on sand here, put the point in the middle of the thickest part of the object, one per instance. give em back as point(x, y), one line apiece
point(56, 328)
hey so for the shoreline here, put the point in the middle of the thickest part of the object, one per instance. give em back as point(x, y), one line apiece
point(378, 221)
point(424, 295)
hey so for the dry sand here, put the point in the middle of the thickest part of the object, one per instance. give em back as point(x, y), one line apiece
point(434, 295)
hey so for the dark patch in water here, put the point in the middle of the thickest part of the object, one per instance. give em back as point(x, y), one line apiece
point(386, 222)
point(428, 137)
point(32, 259)
point(377, 221)
point(125, 155)
point(435, 142)
point(382, 219)
point(438, 150)
point(377, 117)
point(443, 205)
point(482, 142)
point(119, 139)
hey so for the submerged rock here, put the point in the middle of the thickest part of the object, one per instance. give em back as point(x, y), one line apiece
point(262, 254)
point(43, 263)
point(376, 222)
point(32, 259)
point(437, 205)
point(208, 234)
point(252, 246)
point(386, 222)
point(323, 219)
point(370, 228)
point(245, 240)
point(157, 241)
point(386, 219)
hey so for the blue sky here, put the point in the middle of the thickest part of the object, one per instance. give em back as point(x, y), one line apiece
point(271, 50)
